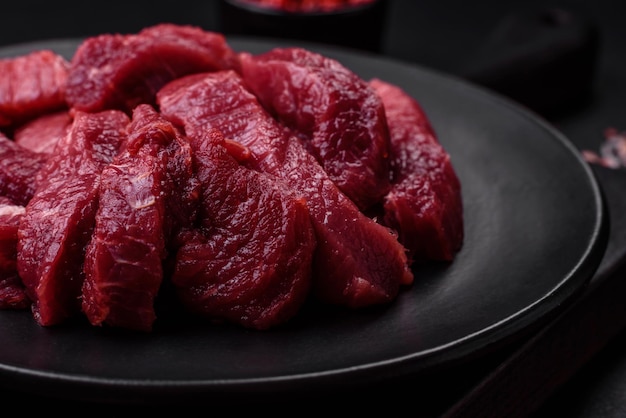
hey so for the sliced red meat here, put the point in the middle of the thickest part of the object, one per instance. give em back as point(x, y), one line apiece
point(114, 71)
point(357, 262)
point(18, 170)
point(58, 220)
point(334, 110)
point(135, 223)
point(12, 291)
point(42, 133)
point(425, 203)
point(31, 85)
point(250, 262)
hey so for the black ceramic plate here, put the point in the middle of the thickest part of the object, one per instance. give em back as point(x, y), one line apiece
point(535, 233)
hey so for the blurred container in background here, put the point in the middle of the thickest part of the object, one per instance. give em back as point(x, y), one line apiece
point(355, 24)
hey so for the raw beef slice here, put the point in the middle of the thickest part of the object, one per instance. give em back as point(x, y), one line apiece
point(334, 110)
point(31, 85)
point(114, 71)
point(424, 204)
point(42, 133)
point(136, 223)
point(249, 262)
point(18, 170)
point(58, 220)
point(357, 262)
point(12, 291)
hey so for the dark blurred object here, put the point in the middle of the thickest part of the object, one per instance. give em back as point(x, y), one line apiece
point(359, 27)
point(545, 60)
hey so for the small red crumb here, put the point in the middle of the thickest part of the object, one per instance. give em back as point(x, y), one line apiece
point(612, 153)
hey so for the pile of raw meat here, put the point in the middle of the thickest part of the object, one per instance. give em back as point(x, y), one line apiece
point(164, 161)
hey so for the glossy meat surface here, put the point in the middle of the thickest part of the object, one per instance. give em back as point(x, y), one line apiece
point(249, 260)
point(338, 115)
point(357, 261)
point(58, 220)
point(115, 71)
point(42, 133)
point(425, 203)
point(134, 224)
point(12, 291)
point(18, 170)
point(31, 85)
